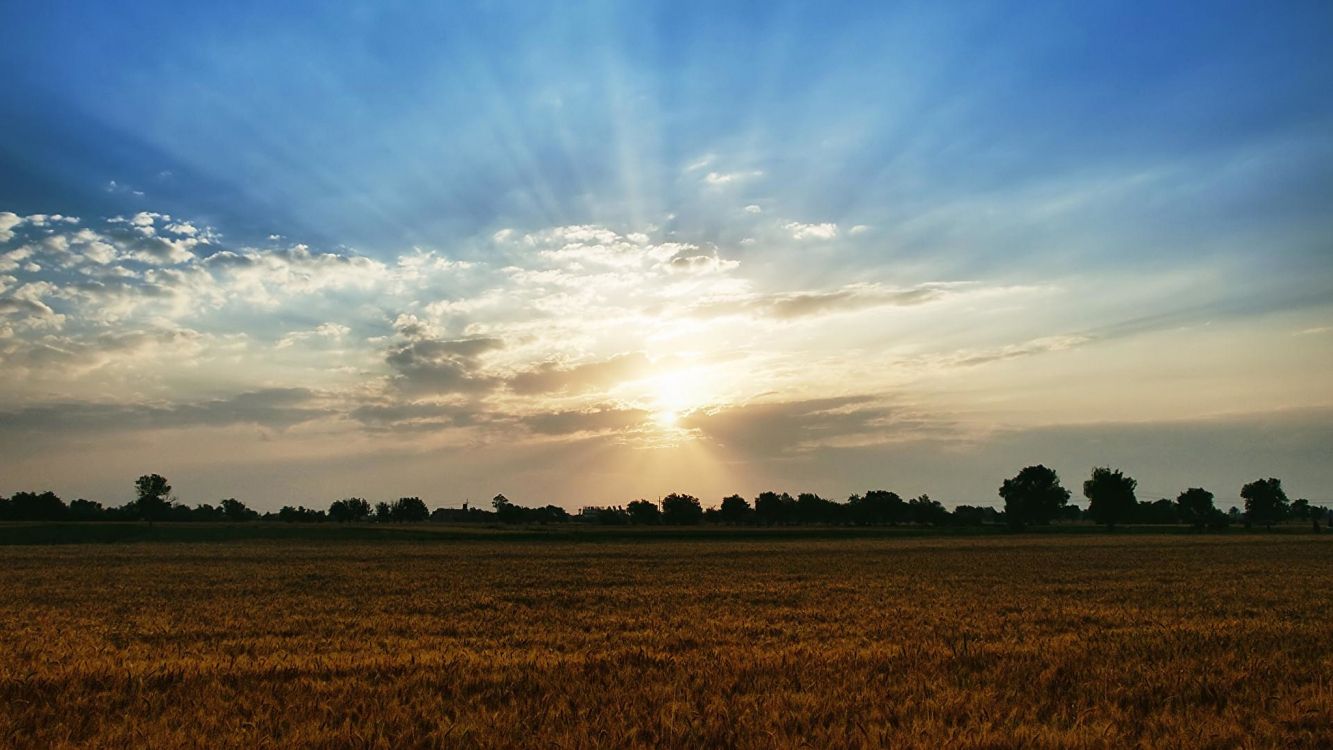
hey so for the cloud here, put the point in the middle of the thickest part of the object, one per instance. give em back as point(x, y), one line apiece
point(8, 220)
point(718, 179)
point(753, 209)
point(850, 298)
point(598, 421)
point(556, 377)
point(801, 231)
point(777, 429)
point(442, 366)
point(278, 408)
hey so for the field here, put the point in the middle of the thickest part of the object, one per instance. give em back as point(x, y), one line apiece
point(1039, 641)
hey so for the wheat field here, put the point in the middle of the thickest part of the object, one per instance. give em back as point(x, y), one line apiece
point(1034, 641)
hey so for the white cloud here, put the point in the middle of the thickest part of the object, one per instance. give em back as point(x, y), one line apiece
point(801, 231)
point(8, 220)
point(858, 229)
point(717, 179)
point(753, 209)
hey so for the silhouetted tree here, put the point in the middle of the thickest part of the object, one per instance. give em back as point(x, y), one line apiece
point(643, 512)
point(300, 514)
point(409, 510)
point(1265, 502)
point(36, 506)
point(86, 510)
point(350, 510)
point(1035, 495)
point(734, 509)
point(498, 501)
point(771, 508)
point(1195, 506)
point(923, 510)
point(681, 510)
point(877, 507)
point(235, 510)
point(1110, 496)
point(383, 512)
point(152, 497)
point(971, 515)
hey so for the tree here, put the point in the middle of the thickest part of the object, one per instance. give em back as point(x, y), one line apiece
point(681, 510)
point(1195, 506)
point(409, 510)
point(235, 510)
point(1110, 496)
point(86, 510)
point(924, 511)
point(771, 508)
point(153, 497)
point(499, 501)
point(350, 510)
point(35, 506)
point(734, 509)
point(811, 508)
point(1035, 495)
point(877, 507)
point(1265, 502)
point(643, 512)
point(383, 512)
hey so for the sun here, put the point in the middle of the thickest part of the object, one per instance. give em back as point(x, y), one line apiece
point(675, 393)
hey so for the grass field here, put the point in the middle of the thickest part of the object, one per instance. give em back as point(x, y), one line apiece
point(1039, 641)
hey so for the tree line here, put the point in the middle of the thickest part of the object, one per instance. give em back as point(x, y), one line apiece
point(1035, 496)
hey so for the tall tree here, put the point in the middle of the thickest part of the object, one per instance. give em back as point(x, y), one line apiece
point(152, 497)
point(1265, 502)
point(1110, 496)
point(1195, 506)
point(678, 509)
point(643, 512)
point(734, 509)
point(1035, 495)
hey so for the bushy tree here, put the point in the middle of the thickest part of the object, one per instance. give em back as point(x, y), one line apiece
point(1110, 496)
point(643, 512)
point(34, 506)
point(86, 510)
point(771, 508)
point(350, 510)
point(877, 507)
point(1195, 506)
point(927, 512)
point(1265, 502)
point(681, 510)
point(811, 508)
point(734, 509)
point(1034, 496)
point(383, 512)
point(152, 497)
point(409, 510)
point(235, 510)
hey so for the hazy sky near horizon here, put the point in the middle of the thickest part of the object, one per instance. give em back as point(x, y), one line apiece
point(592, 252)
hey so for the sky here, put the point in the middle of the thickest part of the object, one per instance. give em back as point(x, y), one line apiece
point(581, 253)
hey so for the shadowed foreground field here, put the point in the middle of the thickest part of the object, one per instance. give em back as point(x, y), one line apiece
point(966, 642)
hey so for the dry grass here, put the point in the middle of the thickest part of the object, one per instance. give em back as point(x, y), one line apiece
point(1039, 642)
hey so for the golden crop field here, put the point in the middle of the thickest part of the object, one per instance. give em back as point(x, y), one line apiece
point(1038, 641)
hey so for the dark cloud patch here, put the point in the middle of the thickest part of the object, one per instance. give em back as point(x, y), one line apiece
point(774, 429)
point(596, 421)
point(808, 304)
point(442, 365)
point(276, 408)
point(554, 377)
point(414, 416)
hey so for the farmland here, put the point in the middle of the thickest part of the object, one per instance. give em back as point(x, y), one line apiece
point(995, 641)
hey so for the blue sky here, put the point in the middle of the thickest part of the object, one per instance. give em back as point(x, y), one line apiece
point(958, 197)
